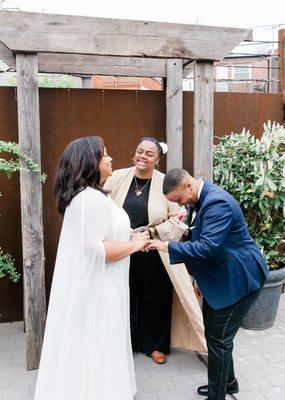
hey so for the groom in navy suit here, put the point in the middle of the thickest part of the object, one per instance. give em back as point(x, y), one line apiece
point(226, 263)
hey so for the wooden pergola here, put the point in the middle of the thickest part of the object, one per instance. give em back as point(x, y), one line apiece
point(34, 42)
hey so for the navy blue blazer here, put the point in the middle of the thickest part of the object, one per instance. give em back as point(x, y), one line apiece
point(223, 258)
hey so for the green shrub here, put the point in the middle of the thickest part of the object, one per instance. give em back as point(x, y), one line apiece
point(8, 167)
point(7, 267)
point(253, 171)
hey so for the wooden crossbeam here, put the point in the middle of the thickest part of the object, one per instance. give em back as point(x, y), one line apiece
point(7, 56)
point(96, 65)
point(104, 65)
point(39, 32)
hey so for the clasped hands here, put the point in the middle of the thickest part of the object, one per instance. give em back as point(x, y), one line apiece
point(143, 242)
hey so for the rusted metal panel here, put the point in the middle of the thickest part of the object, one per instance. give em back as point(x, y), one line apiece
point(121, 117)
point(235, 111)
point(11, 294)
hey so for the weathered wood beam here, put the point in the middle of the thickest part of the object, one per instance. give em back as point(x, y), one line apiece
point(203, 120)
point(7, 56)
point(104, 65)
point(100, 65)
point(39, 32)
point(281, 59)
point(174, 114)
point(31, 207)
point(58, 63)
point(188, 68)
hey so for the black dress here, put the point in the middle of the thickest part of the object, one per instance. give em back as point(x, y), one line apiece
point(150, 286)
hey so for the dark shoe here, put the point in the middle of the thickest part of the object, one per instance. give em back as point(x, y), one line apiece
point(231, 388)
point(158, 357)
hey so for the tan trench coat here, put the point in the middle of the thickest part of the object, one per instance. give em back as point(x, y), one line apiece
point(187, 329)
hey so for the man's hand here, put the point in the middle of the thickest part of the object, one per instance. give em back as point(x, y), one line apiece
point(158, 245)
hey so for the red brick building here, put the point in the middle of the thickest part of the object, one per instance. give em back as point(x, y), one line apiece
point(130, 83)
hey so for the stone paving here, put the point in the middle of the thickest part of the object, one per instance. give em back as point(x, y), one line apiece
point(259, 359)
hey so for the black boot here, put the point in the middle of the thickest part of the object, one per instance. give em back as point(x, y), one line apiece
point(231, 388)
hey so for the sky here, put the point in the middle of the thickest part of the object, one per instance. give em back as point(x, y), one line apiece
point(241, 13)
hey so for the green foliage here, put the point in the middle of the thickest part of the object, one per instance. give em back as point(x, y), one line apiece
point(12, 165)
point(253, 171)
point(8, 167)
point(51, 81)
point(62, 82)
point(7, 267)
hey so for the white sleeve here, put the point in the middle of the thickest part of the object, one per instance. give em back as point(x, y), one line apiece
point(95, 224)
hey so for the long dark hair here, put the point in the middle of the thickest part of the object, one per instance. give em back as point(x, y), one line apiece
point(78, 168)
point(153, 140)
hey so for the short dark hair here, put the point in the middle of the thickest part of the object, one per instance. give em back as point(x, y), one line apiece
point(78, 168)
point(153, 140)
point(173, 178)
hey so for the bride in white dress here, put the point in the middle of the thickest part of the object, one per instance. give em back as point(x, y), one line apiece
point(87, 351)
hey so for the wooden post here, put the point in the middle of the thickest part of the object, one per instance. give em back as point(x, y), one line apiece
point(174, 113)
point(31, 207)
point(281, 52)
point(203, 120)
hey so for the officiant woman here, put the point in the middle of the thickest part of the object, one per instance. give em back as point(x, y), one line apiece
point(139, 191)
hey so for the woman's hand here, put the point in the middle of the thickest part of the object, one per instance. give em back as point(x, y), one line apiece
point(140, 240)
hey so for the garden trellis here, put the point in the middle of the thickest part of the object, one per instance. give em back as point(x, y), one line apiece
point(35, 42)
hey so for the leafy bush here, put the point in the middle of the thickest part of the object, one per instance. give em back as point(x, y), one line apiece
point(253, 171)
point(7, 267)
point(8, 167)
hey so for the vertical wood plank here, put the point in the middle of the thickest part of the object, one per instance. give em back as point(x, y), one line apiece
point(31, 207)
point(203, 120)
point(174, 113)
point(281, 52)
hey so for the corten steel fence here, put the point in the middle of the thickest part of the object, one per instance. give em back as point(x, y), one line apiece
point(121, 118)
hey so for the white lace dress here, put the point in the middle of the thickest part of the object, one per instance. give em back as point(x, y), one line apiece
point(87, 351)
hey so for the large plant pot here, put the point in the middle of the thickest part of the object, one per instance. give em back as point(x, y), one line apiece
point(263, 312)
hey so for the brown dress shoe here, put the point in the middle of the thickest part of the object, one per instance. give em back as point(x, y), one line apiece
point(158, 357)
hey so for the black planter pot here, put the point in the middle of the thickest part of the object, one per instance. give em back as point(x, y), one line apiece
point(263, 312)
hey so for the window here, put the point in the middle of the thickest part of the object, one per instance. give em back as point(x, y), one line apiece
point(222, 85)
point(241, 72)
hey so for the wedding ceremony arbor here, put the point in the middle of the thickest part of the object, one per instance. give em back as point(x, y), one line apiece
point(35, 42)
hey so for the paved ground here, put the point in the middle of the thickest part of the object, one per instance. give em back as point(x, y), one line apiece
point(259, 357)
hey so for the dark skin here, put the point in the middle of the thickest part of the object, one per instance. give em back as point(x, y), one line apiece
point(146, 158)
point(116, 250)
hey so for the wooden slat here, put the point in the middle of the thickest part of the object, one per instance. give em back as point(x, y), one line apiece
point(104, 65)
point(281, 52)
point(101, 65)
point(38, 32)
point(95, 65)
point(174, 113)
point(31, 207)
point(7, 56)
point(203, 120)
